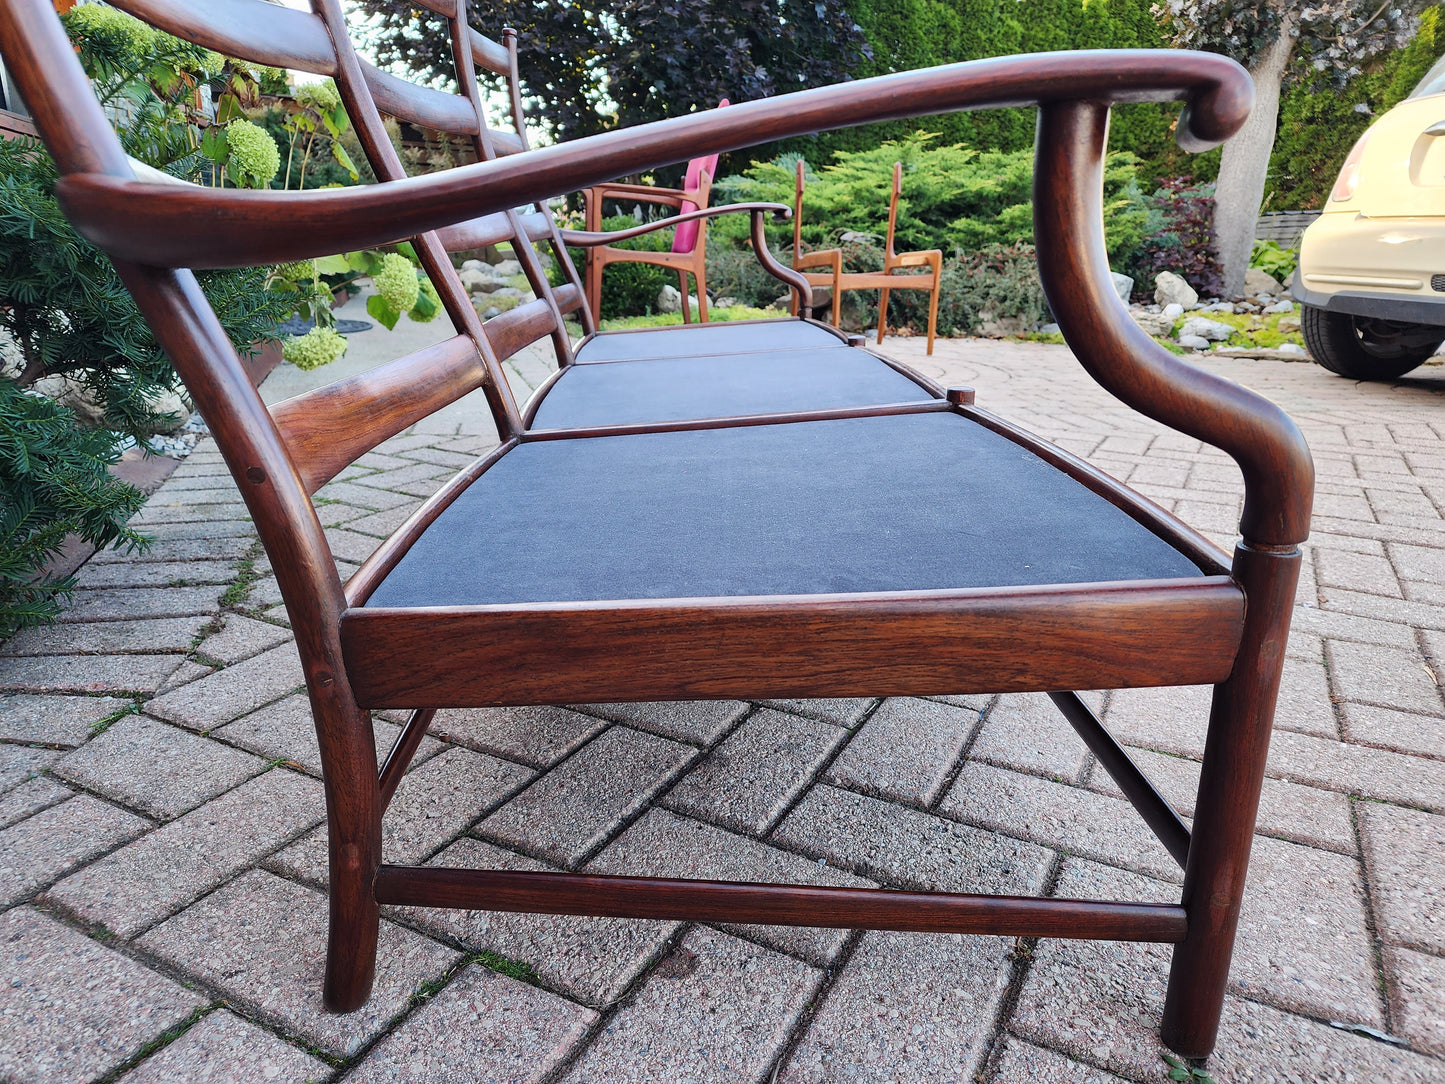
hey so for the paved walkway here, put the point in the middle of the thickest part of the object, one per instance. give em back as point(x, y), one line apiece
point(162, 853)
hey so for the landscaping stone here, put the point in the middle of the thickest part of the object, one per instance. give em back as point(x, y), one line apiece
point(1170, 289)
point(1123, 285)
point(700, 722)
point(662, 844)
point(260, 940)
point(536, 736)
point(45, 847)
point(1192, 342)
point(483, 1026)
point(591, 960)
point(158, 769)
point(1215, 331)
point(222, 1048)
point(716, 1009)
point(1156, 324)
point(1261, 282)
point(54, 720)
point(73, 1010)
point(905, 750)
point(756, 772)
point(570, 812)
point(143, 882)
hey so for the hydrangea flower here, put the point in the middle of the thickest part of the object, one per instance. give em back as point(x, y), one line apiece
point(253, 159)
point(322, 96)
point(123, 33)
point(426, 289)
point(319, 346)
point(397, 283)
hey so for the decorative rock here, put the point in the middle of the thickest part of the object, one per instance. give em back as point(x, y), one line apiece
point(1292, 348)
point(727, 302)
point(1194, 342)
point(1261, 282)
point(1216, 331)
point(170, 405)
point(71, 393)
point(506, 269)
point(1050, 329)
point(1288, 324)
point(1280, 306)
point(475, 280)
point(1123, 285)
point(852, 238)
point(1173, 310)
point(1170, 289)
point(1155, 323)
point(473, 265)
point(670, 300)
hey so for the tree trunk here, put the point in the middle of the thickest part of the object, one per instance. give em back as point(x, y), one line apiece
point(1245, 164)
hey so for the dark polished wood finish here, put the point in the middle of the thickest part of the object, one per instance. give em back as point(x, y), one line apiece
point(1227, 627)
point(778, 905)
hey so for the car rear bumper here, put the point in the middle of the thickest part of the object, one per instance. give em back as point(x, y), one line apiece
point(1378, 267)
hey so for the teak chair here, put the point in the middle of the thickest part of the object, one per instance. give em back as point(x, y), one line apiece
point(884, 280)
point(688, 254)
point(691, 512)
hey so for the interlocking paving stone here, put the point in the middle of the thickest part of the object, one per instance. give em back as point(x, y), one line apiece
point(364, 496)
point(1417, 995)
point(1357, 769)
point(178, 549)
point(905, 750)
point(285, 731)
point(1024, 1063)
point(223, 1048)
point(73, 1010)
point(1391, 729)
point(909, 849)
point(1360, 571)
point(160, 574)
point(230, 693)
point(757, 770)
point(1058, 815)
point(54, 720)
point(1403, 849)
point(662, 844)
point(123, 603)
point(184, 674)
point(591, 960)
point(87, 673)
point(701, 722)
point(842, 712)
point(19, 763)
point(1304, 700)
point(154, 513)
point(716, 1009)
point(1381, 675)
point(145, 881)
point(1319, 818)
point(538, 736)
point(572, 809)
point(206, 531)
point(909, 1006)
point(240, 638)
point(1026, 732)
point(260, 940)
point(53, 842)
point(483, 1026)
point(383, 524)
point(348, 545)
point(1172, 720)
point(432, 804)
point(30, 797)
point(161, 635)
point(159, 769)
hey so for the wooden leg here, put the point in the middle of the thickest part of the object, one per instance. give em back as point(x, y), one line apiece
point(353, 811)
point(686, 308)
point(699, 275)
point(1229, 786)
point(932, 315)
point(882, 314)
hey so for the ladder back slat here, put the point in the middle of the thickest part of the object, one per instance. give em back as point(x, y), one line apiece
point(246, 29)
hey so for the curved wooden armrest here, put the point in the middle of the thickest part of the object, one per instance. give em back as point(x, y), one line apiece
point(587, 238)
point(1074, 269)
point(152, 224)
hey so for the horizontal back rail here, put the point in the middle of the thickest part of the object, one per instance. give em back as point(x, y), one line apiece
point(486, 53)
point(778, 904)
point(262, 33)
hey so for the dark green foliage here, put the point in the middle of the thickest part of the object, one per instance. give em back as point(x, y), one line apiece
point(1180, 239)
point(997, 283)
point(629, 289)
point(53, 481)
point(736, 272)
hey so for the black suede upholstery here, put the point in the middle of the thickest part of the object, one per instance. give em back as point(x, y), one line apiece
point(767, 382)
point(899, 502)
point(686, 340)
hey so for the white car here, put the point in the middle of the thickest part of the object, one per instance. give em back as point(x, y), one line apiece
point(1371, 277)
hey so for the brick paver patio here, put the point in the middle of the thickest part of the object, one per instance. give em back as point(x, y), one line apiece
point(161, 849)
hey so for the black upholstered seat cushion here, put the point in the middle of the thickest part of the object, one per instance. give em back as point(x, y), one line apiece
point(688, 340)
point(766, 382)
point(899, 502)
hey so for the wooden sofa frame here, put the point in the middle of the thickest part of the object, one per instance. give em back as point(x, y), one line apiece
point(1225, 624)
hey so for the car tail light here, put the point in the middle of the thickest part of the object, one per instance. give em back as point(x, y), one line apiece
point(1349, 178)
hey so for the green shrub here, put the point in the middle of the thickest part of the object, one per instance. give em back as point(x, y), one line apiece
point(629, 289)
point(736, 272)
point(1273, 260)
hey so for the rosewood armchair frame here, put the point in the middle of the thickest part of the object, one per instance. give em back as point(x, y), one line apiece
point(1226, 627)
